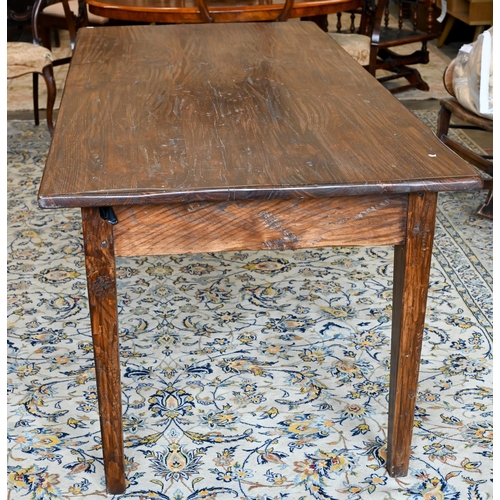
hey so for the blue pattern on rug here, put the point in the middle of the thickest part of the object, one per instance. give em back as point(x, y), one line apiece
point(251, 375)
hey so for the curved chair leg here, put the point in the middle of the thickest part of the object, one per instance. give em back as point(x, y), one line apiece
point(443, 123)
point(486, 209)
point(35, 99)
point(48, 75)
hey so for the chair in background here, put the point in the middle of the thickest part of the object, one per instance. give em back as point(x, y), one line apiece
point(36, 58)
point(24, 58)
point(69, 15)
point(414, 22)
point(358, 46)
point(53, 16)
point(357, 42)
point(450, 107)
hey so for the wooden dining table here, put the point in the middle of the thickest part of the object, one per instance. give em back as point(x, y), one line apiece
point(201, 11)
point(243, 136)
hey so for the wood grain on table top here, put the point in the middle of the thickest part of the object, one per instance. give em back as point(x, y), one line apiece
point(154, 114)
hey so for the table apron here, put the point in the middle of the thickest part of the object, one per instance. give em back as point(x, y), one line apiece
point(260, 225)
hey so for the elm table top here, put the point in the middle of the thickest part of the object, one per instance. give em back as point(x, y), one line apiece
point(232, 111)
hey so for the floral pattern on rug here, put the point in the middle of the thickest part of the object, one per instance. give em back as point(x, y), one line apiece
point(250, 375)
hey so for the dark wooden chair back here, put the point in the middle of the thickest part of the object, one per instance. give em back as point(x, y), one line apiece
point(245, 15)
point(394, 23)
point(41, 37)
point(43, 23)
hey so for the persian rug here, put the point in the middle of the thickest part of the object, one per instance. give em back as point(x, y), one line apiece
point(249, 375)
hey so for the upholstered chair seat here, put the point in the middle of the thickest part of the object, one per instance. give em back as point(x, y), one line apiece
point(357, 46)
point(24, 58)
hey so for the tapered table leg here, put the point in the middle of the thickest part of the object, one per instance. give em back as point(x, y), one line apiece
point(101, 283)
point(412, 262)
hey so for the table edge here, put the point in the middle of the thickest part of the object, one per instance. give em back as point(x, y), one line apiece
point(154, 197)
